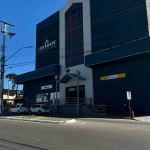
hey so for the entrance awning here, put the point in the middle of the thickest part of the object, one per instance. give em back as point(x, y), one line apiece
point(69, 76)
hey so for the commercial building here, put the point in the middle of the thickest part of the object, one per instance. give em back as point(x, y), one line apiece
point(102, 46)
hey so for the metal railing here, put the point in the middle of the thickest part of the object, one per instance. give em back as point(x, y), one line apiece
point(94, 105)
point(34, 102)
point(90, 103)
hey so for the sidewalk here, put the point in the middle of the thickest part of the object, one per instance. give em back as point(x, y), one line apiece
point(36, 118)
point(68, 118)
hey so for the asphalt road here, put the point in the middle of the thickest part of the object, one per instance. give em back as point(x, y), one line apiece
point(85, 134)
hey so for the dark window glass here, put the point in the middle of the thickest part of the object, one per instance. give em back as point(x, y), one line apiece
point(79, 8)
point(73, 11)
point(74, 54)
point(68, 55)
point(74, 32)
point(69, 63)
point(73, 19)
point(74, 62)
point(81, 60)
point(74, 40)
point(68, 21)
point(68, 49)
point(67, 15)
point(80, 22)
point(74, 25)
point(68, 35)
point(74, 35)
point(80, 30)
point(80, 46)
point(80, 37)
point(68, 42)
point(79, 15)
point(75, 47)
point(80, 54)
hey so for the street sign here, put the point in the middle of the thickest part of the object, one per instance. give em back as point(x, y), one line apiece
point(129, 95)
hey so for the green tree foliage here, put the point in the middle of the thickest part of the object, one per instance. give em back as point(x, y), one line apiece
point(11, 77)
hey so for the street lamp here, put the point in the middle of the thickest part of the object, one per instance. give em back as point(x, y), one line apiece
point(56, 78)
point(18, 51)
point(2, 74)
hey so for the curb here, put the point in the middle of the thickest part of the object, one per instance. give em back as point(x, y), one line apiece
point(37, 120)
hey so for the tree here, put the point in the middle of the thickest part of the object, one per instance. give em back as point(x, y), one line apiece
point(11, 77)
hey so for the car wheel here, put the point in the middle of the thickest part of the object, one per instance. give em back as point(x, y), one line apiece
point(29, 112)
point(18, 112)
point(10, 111)
point(39, 112)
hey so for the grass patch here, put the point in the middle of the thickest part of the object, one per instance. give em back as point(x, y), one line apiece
point(29, 117)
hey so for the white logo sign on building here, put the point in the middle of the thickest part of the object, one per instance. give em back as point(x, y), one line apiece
point(47, 46)
point(129, 95)
point(46, 87)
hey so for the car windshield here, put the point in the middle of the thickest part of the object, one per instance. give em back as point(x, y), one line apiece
point(36, 106)
point(45, 107)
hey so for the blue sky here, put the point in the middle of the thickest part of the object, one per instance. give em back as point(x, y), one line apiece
point(24, 14)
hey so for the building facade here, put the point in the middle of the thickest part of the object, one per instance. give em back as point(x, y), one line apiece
point(107, 43)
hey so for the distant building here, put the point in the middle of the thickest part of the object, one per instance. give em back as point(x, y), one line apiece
point(107, 42)
point(11, 97)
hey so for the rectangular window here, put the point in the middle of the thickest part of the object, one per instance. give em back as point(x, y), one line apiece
point(74, 35)
point(42, 97)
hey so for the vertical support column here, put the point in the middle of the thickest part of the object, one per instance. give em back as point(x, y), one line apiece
point(129, 109)
point(148, 14)
point(56, 99)
point(78, 96)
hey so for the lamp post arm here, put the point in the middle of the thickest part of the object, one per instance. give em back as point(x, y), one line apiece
point(17, 52)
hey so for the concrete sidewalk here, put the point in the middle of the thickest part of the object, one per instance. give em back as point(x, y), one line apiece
point(69, 118)
point(43, 119)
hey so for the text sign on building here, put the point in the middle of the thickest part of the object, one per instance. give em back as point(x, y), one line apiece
point(129, 95)
point(115, 76)
point(47, 45)
point(46, 87)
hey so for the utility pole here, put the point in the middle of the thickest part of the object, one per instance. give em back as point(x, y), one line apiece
point(5, 32)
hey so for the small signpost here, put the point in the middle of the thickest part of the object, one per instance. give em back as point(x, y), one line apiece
point(129, 97)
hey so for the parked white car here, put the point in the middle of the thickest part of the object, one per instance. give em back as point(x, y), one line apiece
point(19, 108)
point(39, 109)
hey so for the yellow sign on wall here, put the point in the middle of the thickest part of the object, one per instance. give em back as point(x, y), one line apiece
point(116, 76)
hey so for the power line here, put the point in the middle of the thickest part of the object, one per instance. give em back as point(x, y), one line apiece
point(28, 10)
point(16, 8)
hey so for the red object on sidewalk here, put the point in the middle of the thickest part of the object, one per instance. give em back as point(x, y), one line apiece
point(132, 115)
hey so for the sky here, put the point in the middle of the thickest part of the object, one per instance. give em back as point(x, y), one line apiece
point(24, 14)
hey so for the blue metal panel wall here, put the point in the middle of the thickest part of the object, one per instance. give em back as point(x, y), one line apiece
point(137, 81)
point(119, 52)
point(115, 22)
point(47, 41)
point(37, 74)
point(34, 87)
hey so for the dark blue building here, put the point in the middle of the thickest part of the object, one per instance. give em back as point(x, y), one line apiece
point(107, 42)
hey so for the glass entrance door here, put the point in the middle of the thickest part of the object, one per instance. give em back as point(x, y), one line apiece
point(71, 93)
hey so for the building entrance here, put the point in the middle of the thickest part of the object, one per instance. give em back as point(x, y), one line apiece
point(71, 93)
